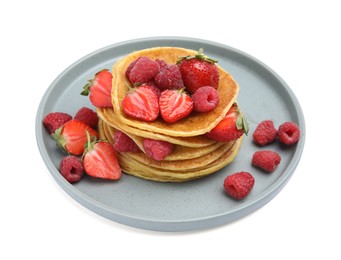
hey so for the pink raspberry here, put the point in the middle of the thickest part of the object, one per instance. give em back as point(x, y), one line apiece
point(169, 77)
point(143, 70)
point(265, 133)
point(71, 167)
point(123, 143)
point(54, 120)
point(161, 63)
point(157, 149)
point(239, 185)
point(289, 133)
point(87, 116)
point(267, 160)
point(205, 99)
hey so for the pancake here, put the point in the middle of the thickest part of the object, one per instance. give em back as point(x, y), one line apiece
point(193, 125)
point(179, 152)
point(141, 170)
point(109, 117)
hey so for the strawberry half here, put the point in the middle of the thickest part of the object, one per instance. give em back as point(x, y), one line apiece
point(175, 105)
point(100, 160)
point(141, 103)
point(99, 89)
point(231, 127)
point(71, 137)
point(198, 71)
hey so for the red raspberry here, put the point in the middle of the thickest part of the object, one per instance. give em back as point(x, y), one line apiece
point(205, 99)
point(161, 63)
point(123, 143)
point(267, 160)
point(289, 133)
point(71, 167)
point(143, 71)
point(157, 149)
point(169, 77)
point(239, 185)
point(55, 120)
point(87, 116)
point(265, 133)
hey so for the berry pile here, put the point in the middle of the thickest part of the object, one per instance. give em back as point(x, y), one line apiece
point(78, 136)
point(190, 85)
point(239, 185)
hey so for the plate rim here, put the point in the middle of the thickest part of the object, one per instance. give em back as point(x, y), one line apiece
point(154, 224)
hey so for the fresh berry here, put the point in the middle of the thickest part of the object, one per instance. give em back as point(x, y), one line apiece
point(267, 160)
point(123, 143)
point(231, 127)
point(198, 71)
point(239, 185)
point(87, 116)
point(265, 133)
point(71, 137)
point(169, 77)
point(141, 103)
point(175, 105)
point(205, 99)
point(289, 133)
point(71, 167)
point(99, 89)
point(153, 86)
point(100, 160)
point(54, 120)
point(143, 70)
point(157, 149)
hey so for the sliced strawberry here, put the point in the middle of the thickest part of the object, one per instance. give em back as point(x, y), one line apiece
point(231, 127)
point(175, 105)
point(71, 137)
point(198, 71)
point(99, 89)
point(100, 160)
point(141, 103)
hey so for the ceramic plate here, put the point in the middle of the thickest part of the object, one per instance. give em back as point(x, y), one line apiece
point(193, 205)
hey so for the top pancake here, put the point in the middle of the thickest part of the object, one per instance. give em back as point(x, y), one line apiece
point(193, 125)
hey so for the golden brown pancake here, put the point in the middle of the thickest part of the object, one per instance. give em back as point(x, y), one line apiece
point(193, 125)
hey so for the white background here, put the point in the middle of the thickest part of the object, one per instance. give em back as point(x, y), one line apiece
point(300, 40)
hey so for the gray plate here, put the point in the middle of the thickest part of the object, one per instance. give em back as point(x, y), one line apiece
point(186, 206)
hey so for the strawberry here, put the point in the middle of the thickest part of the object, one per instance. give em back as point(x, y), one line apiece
point(71, 137)
point(141, 103)
point(100, 160)
point(99, 89)
point(198, 71)
point(175, 105)
point(231, 127)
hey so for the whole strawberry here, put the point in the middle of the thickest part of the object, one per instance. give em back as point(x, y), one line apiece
point(175, 105)
point(141, 103)
point(100, 160)
point(231, 127)
point(71, 137)
point(99, 89)
point(198, 71)
point(239, 185)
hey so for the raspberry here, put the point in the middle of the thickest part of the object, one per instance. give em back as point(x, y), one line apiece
point(123, 143)
point(265, 133)
point(169, 77)
point(157, 149)
point(289, 133)
point(71, 167)
point(87, 116)
point(205, 99)
point(239, 185)
point(55, 120)
point(143, 70)
point(267, 160)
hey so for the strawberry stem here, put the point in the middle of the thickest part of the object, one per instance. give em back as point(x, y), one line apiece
point(200, 55)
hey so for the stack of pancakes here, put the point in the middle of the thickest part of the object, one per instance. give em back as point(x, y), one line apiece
point(194, 155)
